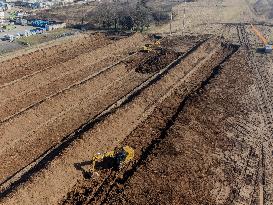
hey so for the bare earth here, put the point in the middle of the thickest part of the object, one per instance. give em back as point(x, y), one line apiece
point(198, 114)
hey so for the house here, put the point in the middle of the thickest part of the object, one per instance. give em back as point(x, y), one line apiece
point(54, 26)
point(4, 6)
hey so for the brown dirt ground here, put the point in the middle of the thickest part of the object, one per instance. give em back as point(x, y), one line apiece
point(44, 110)
point(47, 123)
point(31, 62)
point(30, 90)
point(204, 139)
point(104, 189)
point(205, 52)
point(203, 155)
point(194, 145)
point(54, 102)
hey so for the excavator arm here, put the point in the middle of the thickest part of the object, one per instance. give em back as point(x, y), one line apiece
point(260, 36)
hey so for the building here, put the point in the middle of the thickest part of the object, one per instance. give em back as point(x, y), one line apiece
point(4, 6)
point(54, 26)
point(2, 14)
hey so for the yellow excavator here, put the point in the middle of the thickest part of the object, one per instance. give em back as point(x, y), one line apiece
point(152, 47)
point(147, 48)
point(113, 159)
point(267, 47)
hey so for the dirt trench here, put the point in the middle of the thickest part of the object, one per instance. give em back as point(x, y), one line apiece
point(215, 161)
point(50, 127)
point(38, 184)
point(145, 137)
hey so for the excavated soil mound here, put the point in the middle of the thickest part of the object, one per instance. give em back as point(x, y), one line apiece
point(154, 61)
point(157, 61)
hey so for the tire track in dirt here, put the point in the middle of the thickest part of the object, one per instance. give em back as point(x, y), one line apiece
point(25, 65)
point(94, 191)
point(104, 133)
point(29, 92)
point(264, 102)
point(130, 80)
point(45, 125)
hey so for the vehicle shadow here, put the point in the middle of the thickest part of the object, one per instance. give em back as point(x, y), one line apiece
point(105, 164)
point(80, 166)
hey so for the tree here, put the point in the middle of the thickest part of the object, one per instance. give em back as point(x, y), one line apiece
point(142, 17)
point(103, 15)
point(122, 15)
point(126, 22)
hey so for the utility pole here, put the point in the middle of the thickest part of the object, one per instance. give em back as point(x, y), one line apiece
point(171, 23)
point(184, 17)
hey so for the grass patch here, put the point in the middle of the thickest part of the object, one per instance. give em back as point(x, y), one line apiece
point(45, 37)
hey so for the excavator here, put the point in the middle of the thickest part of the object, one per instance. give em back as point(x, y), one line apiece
point(152, 47)
point(147, 48)
point(114, 160)
point(267, 47)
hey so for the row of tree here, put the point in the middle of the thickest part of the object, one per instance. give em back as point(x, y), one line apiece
point(126, 15)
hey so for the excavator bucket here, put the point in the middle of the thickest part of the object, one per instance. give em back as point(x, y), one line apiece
point(130, 153)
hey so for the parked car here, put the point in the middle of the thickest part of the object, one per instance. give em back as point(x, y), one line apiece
point(8, 37)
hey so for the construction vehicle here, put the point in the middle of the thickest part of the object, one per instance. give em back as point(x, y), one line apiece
point(155, 46)
point(8, 37)
point(112, 160)
point(151, 47)
point(267, 47)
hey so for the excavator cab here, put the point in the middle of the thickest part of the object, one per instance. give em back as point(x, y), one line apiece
point(113, 159)
point(147, 48)
point(268, 48)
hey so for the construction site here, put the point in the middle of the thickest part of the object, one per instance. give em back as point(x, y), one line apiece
point(185, 112)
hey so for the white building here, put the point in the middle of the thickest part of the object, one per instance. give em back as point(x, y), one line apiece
point(2, 14)
point(4, 6)
point(43, 3)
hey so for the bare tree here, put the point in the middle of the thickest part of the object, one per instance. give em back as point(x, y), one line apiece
point(124, 15)
point(103, 15)
point(142, 16)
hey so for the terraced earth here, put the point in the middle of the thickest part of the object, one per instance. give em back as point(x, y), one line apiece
point(197, 113)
